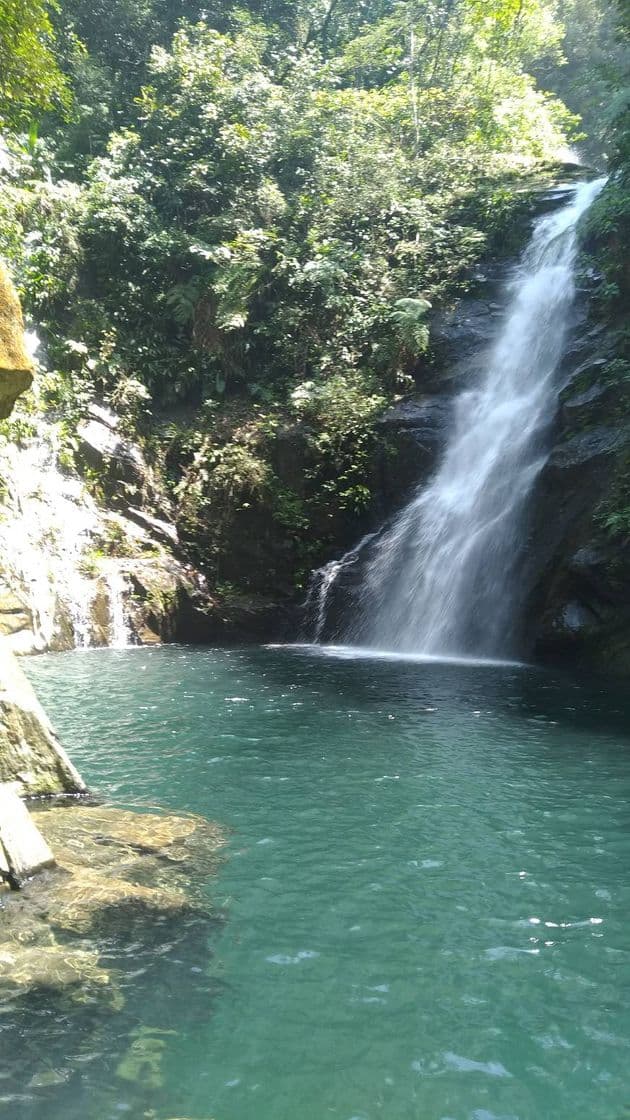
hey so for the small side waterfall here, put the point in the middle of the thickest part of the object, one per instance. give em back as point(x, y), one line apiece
point(322, 583)
point(47, 523)
point(120, 634)
point(51, 538)
point(441, 580)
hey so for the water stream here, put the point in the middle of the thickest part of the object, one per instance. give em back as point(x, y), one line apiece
point(441, 580)
point(48, 523)
point(322, 582)
point(120, 633)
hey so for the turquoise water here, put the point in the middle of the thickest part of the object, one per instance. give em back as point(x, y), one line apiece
point(426, 898)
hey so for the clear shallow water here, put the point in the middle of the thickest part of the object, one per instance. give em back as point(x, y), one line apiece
point(427, 889)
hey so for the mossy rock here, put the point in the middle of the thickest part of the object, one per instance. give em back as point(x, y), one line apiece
point(32, 760)
point(119, 876)
point(16, 367)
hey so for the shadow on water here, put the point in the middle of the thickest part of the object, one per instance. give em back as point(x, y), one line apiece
point(522, 691)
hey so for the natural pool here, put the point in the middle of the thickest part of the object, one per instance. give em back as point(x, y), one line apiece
point(426, 891)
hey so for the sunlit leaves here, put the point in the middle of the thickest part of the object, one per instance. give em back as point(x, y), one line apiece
point(30, 79)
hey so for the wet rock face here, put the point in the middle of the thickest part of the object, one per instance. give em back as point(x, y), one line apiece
point(463, 335)
point(16, 367)
point(576, 575)
point(414, 433)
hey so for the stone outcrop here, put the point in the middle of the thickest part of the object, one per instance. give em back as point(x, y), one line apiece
point(32, 761)
point(16, 367)
point(577, 571)
point(124, 474)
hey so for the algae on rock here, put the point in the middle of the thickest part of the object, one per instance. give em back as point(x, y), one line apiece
point(16, 367)
point(118, 873)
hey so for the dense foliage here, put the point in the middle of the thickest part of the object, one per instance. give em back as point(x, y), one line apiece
point(31, 80)
point(237, 238)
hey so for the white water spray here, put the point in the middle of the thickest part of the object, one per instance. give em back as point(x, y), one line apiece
point(323, 581)
point(441, 581)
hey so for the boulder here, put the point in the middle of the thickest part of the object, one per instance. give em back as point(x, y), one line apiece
point(32, 760)
point(16, 367)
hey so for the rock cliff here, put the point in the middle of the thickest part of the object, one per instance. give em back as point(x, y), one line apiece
point(32, 760)
point(578, 562)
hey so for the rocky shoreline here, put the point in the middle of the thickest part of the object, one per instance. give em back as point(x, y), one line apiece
point(115, 872)
point(79, 880)
point(77, 877)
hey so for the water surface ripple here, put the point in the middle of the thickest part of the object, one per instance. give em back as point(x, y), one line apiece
point(426, 892)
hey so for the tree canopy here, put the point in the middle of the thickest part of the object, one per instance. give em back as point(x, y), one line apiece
point(248, 209)
point(31, 80)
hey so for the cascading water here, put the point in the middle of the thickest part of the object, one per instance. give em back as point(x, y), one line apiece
point(120, 634)
point(47, 524)
point(441, 581)
point(51, 534)
point(323, 580)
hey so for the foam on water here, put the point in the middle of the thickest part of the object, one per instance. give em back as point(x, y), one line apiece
point(362, 653)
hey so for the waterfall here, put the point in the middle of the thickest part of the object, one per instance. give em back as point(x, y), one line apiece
point(120, 635)
point(52, 535)
point(442, 581)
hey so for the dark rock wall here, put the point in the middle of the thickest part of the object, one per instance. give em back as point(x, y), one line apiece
point(573, 571)
point(578, 608)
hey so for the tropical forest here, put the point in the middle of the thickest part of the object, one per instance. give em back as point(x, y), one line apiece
point(314, 559)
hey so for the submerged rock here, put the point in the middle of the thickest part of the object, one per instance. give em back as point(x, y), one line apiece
point(119, 876)
point(51, 967)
